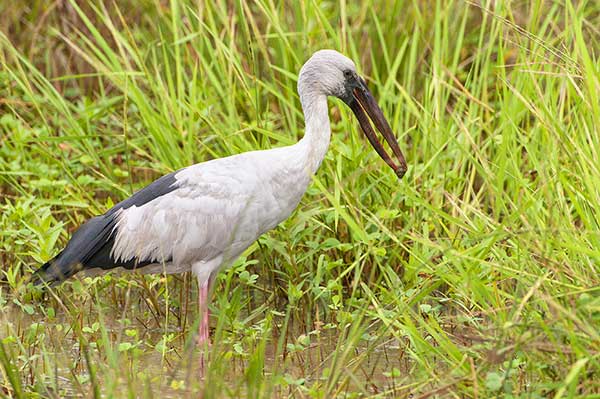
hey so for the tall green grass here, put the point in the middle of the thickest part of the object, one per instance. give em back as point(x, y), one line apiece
point(475, 276)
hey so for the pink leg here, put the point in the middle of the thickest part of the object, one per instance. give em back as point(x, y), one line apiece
point(203, 332)
point(203, 339)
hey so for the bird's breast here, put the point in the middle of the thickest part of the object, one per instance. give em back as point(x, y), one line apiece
point(277, 196)
point(230, 202)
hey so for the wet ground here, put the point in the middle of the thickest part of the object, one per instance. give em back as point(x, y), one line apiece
point(72, 349)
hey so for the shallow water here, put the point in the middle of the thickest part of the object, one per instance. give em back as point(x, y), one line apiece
point(47, 352)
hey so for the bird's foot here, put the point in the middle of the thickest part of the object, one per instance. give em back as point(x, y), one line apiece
point(204, 346)
point(203, 342)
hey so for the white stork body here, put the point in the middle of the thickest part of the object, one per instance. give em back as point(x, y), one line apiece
point(219, 208)
point(203, 217)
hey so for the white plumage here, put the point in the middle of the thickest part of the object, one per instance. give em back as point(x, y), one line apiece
point(219, 209)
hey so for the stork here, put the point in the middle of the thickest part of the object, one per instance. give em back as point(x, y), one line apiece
point(202, 217)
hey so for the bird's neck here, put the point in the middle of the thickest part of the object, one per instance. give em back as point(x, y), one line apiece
point(317, 132)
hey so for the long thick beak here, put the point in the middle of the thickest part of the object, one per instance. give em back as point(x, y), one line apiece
point(363, 101)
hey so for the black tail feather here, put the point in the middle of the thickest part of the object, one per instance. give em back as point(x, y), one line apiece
point(92, 244)
point(81, 252)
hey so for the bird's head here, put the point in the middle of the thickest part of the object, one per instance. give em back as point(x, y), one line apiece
point(330, 73)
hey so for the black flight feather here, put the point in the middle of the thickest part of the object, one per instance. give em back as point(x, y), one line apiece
point(91, 244)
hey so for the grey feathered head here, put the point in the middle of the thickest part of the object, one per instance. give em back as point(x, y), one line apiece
point(330, 73)
point(326, 72)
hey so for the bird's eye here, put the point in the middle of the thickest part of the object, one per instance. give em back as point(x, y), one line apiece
point(347, 73)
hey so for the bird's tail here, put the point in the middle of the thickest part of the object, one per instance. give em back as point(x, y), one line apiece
point(88, 240)
point(44, 275)
point(51, 273)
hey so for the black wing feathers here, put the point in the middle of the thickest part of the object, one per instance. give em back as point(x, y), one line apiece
point(91, 244)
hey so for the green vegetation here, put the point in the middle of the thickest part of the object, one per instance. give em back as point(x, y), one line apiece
point(475, 276)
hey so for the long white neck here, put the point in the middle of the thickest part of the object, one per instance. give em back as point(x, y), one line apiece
point(317, 132)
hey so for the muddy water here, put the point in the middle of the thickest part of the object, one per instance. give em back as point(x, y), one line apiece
point(48, 353)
